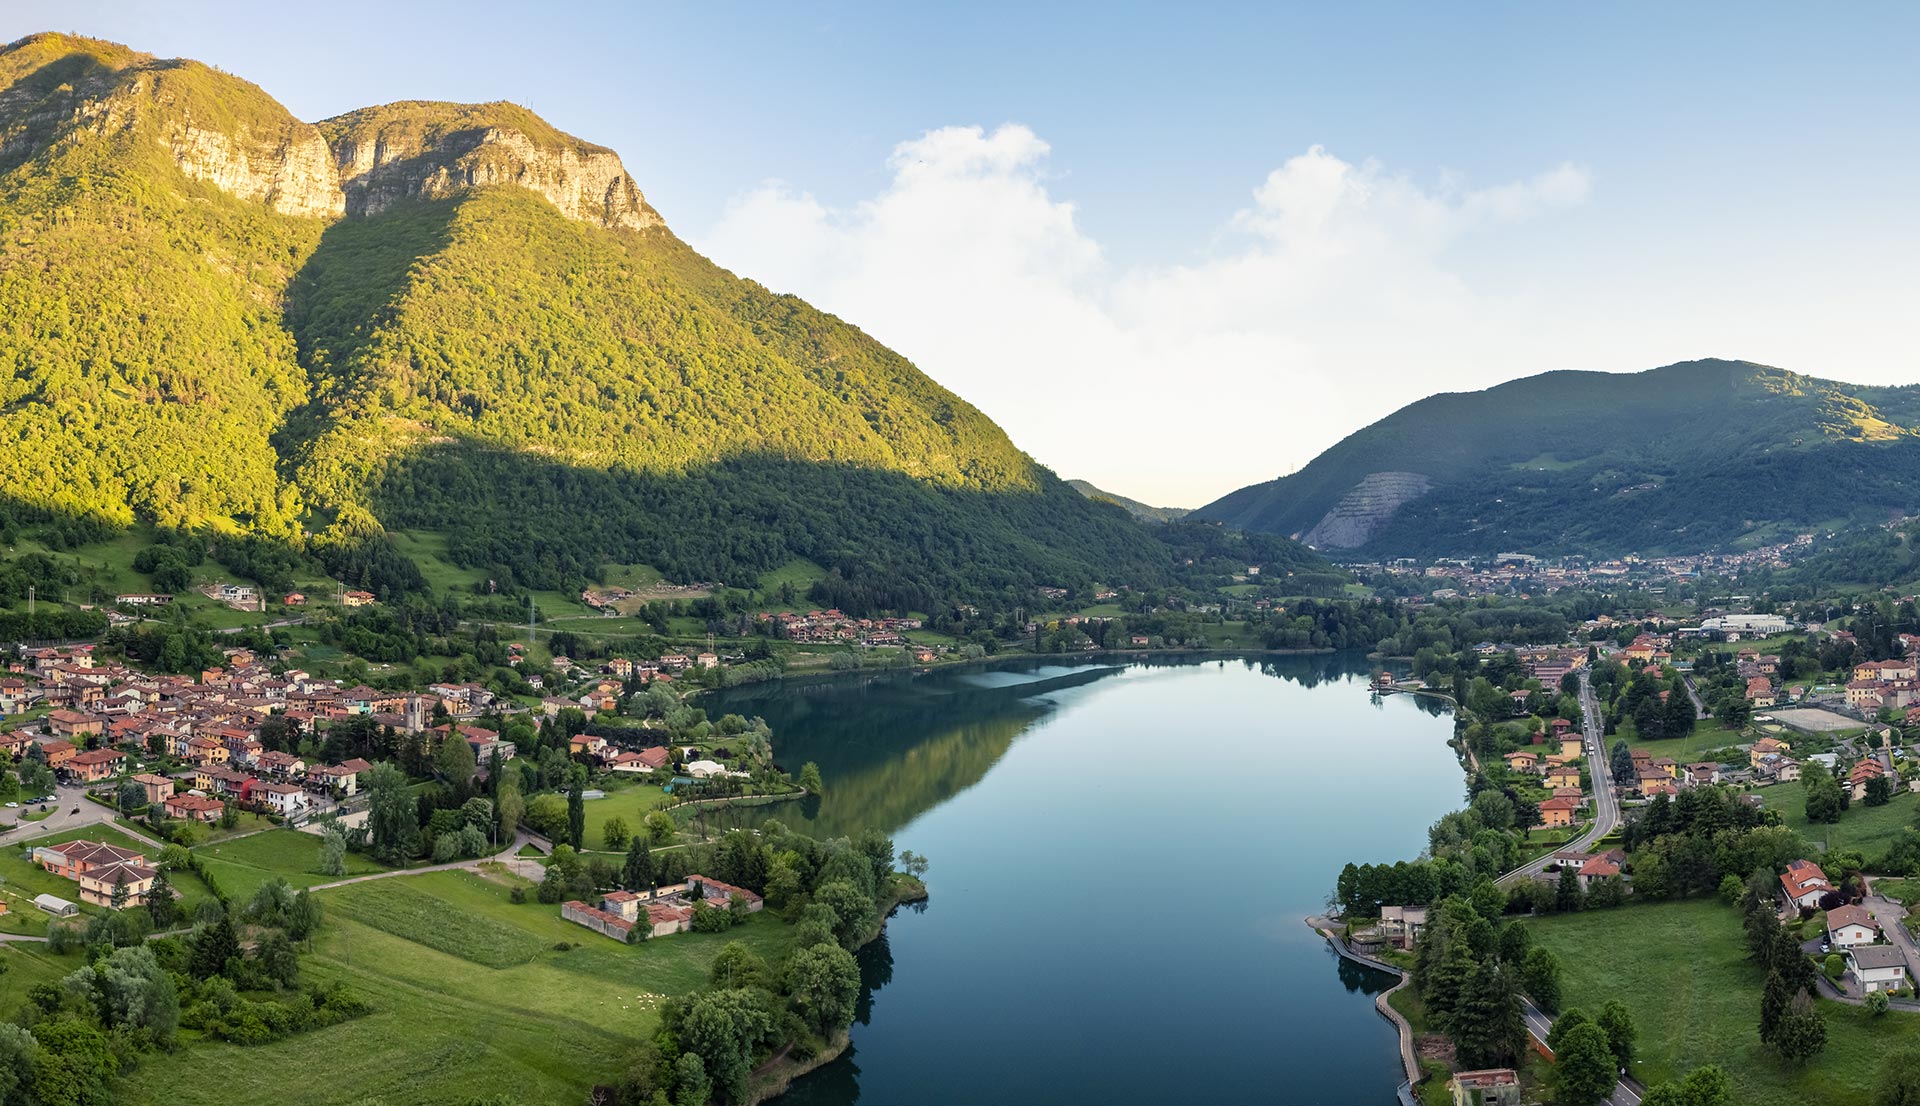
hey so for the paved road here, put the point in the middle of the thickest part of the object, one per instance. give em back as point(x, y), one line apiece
point(1626, 1092)
point(66, 799)
point(1699, 708)
point(504, 856)
point(1606, 805)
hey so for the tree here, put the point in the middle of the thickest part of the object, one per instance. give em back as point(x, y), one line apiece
point(913, 864)
point(852, 910)
point(577, 812)
point(1802, 1032)
point(1877, 1003)
point(1567, 897)
point(118, 900)
point(278, 960)
point(1879, 791)
point(1583, 1071)
point(722, 1028)
point(1486, 1026)
point(1703, 1086)
point(333, 851)
point(212, 945)
point(18, 1053)
point(1899, 1082)
point(661, 828)
point(810, 778)
point(508, 805)
point(1540, 978)
point(824, 981)
point(229, 814)
point(160, 904)
point(1564, 1024)
point(637, 873)
point(455, 763)
point(303, 917)
point(392, 823)
point(690, 1083)
point(616, 833)
point(1620, 760)
point(1617, 1021)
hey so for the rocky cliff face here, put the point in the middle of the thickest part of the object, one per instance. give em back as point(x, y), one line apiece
point(382, 164)
point(57, 90)
point(291, 172)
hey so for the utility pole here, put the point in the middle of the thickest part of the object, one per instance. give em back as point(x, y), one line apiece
point(30, 600)
point(530, 637)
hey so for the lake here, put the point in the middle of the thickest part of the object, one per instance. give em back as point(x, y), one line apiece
point(1123, 851)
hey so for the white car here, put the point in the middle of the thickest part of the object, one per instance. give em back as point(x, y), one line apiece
point(12, 806)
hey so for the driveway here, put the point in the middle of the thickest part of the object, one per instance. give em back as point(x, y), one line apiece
point(1891, 917)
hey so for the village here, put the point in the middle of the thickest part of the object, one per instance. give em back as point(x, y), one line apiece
point(93, 739)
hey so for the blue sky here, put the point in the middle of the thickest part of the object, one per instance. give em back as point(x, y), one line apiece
point(1185, 250)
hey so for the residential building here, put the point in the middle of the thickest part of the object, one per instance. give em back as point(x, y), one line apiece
point(1804, 884)
point(1851, 925)
point(1877, 968)
point(191, 807)
point(1558, 812)
point(100, 869)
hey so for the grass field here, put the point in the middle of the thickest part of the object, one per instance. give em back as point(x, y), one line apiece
point(631, 802)
point(799, 572)
point(1682, 970)
point(444, 1031)
point(1708, 733)
point(1866, 828)
point(241, 865)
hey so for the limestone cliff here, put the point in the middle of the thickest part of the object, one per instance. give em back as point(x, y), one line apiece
point(58, 90)
point(429, 150)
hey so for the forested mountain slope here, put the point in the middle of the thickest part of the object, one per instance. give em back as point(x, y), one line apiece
point(1690, 457)
point(214, 315)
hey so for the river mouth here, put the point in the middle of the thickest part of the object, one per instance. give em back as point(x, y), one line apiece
point(1122, 852)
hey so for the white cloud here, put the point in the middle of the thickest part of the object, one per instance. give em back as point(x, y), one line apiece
point(1326, 303)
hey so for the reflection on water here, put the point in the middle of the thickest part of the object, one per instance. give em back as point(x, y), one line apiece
point(1123, 851)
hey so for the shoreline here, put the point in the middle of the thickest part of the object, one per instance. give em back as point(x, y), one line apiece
point(777, 1076)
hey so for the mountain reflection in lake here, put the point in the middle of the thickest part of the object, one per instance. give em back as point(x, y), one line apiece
point(1123, 850)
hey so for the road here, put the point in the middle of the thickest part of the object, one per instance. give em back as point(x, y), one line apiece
point(66, 800)
point(1625, 1093)
point(1606, 805)
point(1891, 917)
point(1699, 708)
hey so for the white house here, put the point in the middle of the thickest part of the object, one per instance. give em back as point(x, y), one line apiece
point(1848, 926)
point(281, 798)
point(1877, 967)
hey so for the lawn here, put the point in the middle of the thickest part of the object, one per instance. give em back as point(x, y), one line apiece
point(444, 1030)
point(243, 864)
point(1708, 733)
point(1866, 828)
point(1680, 967)
point(631, 802)
point(799, 572)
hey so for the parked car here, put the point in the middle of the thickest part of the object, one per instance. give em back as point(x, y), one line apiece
point(11, 806)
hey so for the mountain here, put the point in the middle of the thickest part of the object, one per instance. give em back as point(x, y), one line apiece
point(454, 317)
point(1133, 507)
point(1691, 457)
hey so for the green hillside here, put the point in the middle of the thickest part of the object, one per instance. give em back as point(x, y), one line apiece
point(1690, 457)
point(449, 317)
point(1133, 507)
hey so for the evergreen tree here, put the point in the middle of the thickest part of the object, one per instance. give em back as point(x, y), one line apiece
point(160, 904)
point(213, 945)
point(577, 813)
point(1802, 1032)
point(637, 874)
point(1540, 977)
